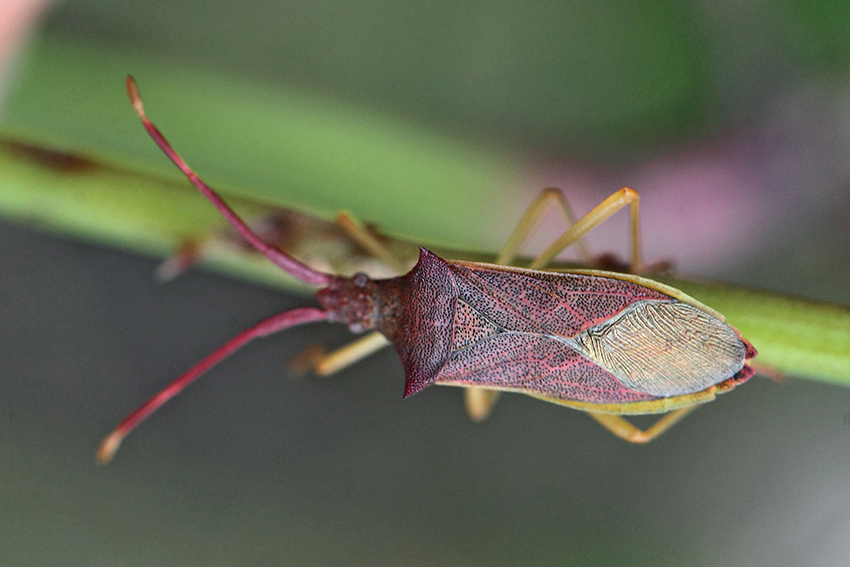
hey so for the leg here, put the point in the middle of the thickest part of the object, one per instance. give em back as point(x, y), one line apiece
point(479, 402)
point(624, 430)
point(365, 238)
point(531, 218)
point(599, 213)
point(325, 364)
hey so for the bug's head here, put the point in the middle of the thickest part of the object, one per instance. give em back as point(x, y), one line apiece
point(351, 301)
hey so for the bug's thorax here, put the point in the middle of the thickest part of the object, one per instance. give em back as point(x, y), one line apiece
point(415, 312)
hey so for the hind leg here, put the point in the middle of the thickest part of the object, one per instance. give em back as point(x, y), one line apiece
point(620, 427)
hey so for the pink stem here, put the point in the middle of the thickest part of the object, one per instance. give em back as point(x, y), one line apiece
point(279, 257)
point(273, 324)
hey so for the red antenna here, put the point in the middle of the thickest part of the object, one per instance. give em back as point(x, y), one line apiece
point(273, 324)
point(286, 262)
point(107, 448)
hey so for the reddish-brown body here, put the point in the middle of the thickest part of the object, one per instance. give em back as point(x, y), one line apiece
point(603, 342)
point(469, 324)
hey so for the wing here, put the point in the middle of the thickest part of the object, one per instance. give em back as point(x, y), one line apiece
point(535, 364)
point(583, 337)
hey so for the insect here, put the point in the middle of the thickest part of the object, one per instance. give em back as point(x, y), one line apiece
point(606, 343)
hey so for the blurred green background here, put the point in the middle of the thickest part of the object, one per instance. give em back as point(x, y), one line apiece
point(438, 122)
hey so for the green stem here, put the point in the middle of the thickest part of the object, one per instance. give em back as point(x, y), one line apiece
point(794, 336)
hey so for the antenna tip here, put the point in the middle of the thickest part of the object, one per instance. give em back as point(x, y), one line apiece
point(135, 97)
point(108, 447)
